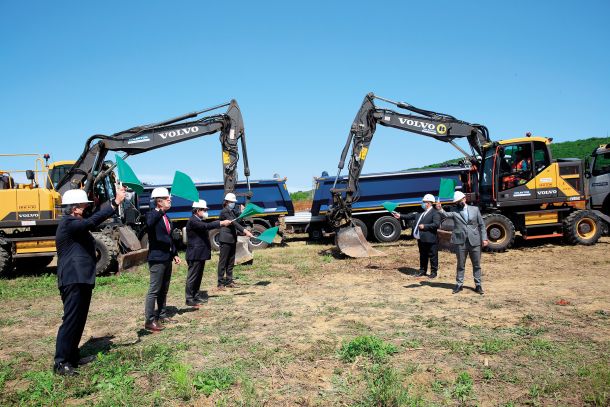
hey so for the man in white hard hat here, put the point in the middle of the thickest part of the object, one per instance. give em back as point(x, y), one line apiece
point(424, 231)
point(161, 252)
point(228, 240)
point(76, 261)
point(198, 250)
point(469, 234)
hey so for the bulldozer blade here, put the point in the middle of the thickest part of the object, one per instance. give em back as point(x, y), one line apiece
point(242, 250)
point(132, 259)
point(352, 243)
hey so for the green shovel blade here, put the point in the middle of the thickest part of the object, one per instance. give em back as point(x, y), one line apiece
point(446, 188)
point(250, 210)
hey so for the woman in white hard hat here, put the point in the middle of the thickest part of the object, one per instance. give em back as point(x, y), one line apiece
point(76, 261)
point(198, 250)
point(228, 241)
point(161, 251)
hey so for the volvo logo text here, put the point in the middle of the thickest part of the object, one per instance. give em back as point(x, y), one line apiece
point(178, 133)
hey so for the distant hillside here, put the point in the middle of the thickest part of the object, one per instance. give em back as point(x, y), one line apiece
point(301, 196)
point(565, 149)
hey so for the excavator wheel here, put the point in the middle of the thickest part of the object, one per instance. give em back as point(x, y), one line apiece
point(582, 227)
point(6, 261)
point(500, 232)
point(106, 251)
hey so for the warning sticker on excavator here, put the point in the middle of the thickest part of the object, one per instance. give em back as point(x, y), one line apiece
point(363, 153)
point(226, 158)
point(441, 129)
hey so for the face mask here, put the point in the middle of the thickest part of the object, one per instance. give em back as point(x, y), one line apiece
point(231, 205)
point(204, 215)
point(423, 205)
point(461, 205)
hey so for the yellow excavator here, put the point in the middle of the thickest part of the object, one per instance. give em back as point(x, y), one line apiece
point(30, 211)
point(516, 183)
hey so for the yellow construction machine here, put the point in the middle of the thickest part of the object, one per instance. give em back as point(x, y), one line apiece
point(30, 211)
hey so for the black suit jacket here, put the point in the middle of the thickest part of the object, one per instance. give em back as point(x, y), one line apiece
point(431, 222)
point(76, 247)
point(228, 234)
point(198, 239)
point(161, 247)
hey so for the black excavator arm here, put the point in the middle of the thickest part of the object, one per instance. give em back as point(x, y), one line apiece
point(89, 168)
point(440, 126)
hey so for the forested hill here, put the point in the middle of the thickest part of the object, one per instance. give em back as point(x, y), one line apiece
point(565, 149)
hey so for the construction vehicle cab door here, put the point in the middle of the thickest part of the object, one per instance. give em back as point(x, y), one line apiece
point(599, 179)
point(515, 173)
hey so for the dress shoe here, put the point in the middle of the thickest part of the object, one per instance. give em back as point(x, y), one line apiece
point(201, 300)
point(457, 289)
point(86, 360)
point(231, 285)
point(433, 275)
point(220, 288)
point(65, 369)
point(421, 273)
point(154, 326)
point(194, 303)
point(479, 289)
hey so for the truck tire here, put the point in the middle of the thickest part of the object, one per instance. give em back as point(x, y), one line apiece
point(6, 261)
point(315, 234)
point(360, 223)
point(500, 232)
point(214, 243)
point(255, 244)
point(387, 229)
point(582, 227)
point(106, 252)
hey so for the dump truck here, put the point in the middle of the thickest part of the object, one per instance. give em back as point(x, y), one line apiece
point(405, 188)
point(271, 195)
point(30, 212)
point(515, 182)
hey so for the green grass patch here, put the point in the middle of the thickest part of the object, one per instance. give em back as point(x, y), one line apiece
point(463, 388)
point(384, 388)
point(370, 347)
point(214, 379)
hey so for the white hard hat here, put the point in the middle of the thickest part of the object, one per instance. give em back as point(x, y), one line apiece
point(74, 196)
point(458, 196)
point(428, 198)
point(159, 192)
point(230, 197)
point(202, 204)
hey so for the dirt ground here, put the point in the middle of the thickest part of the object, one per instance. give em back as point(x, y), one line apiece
point(297, 305)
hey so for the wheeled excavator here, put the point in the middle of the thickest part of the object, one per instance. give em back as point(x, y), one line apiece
point(29, 214)
point(540, 197)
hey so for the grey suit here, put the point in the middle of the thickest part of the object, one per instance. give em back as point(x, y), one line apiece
point(468, 235)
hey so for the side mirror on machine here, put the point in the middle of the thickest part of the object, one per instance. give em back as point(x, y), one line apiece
point(29, 174)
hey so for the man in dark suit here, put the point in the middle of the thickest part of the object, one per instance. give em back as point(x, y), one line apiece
point(161, 251)
point(76, 272)
point(424, 231)
point(228, 240)
point(198, 250)
point(469, 234)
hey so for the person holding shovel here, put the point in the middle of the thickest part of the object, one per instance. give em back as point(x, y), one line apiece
point(228, 241)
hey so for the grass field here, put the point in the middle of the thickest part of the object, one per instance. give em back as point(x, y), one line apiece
point(308, 328)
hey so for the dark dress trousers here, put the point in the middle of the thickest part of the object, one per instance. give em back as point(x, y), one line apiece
point(427, 242)
point(228, 240)
point(198, 250)
point(161, 252)
point(76, 261)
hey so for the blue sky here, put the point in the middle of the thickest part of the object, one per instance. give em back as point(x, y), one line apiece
point(299, 71)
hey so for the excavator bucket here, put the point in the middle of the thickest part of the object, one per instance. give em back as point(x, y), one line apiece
point(135, 254)
point(352, 243)
point(132, 259)
point(242, 250)
point(444, 241)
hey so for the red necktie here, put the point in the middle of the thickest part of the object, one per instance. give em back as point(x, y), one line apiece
point(166, 223)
